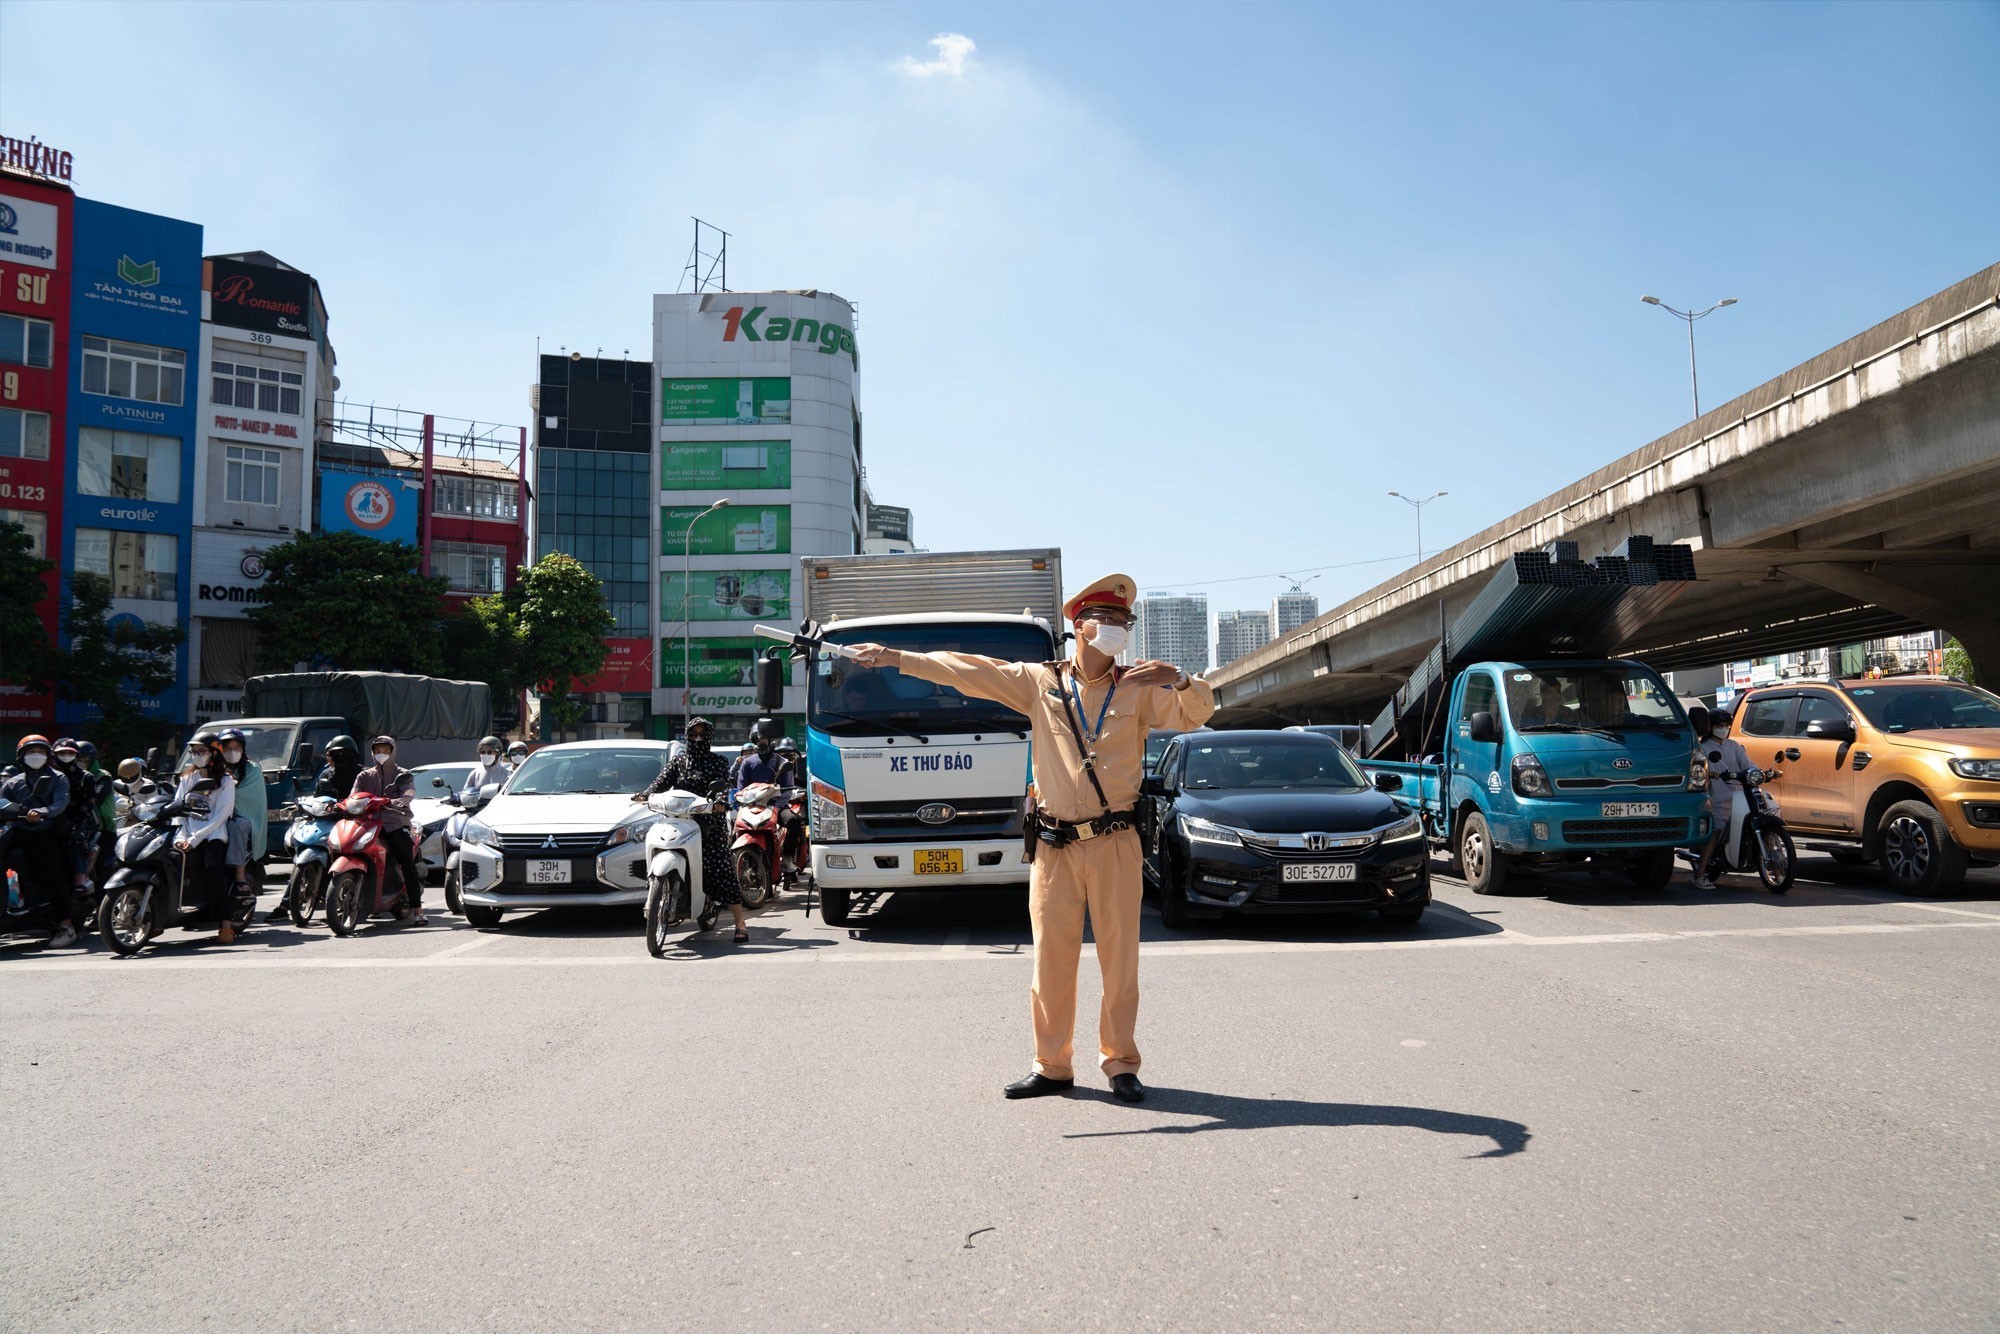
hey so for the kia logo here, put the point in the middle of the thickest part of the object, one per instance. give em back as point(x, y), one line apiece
point(937, 813)
point(1621, 764)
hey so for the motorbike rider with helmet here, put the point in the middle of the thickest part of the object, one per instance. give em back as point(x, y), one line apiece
point(107, 801)
point(516, 753)
point(80, 822)
point(336, 780)
point(700, 770)
point(490, 770)
point(763, 765)
point(33, 846)
point(204, 839)
point(247, 828)
point(386, 778)
point(1727, 761)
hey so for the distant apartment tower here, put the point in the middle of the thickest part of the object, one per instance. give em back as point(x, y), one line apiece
point(1173, 629)
point(1240, 633)
point(1291, 610)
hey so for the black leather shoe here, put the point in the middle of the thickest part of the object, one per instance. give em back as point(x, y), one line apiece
point(1038, 1086)
point(1127, 1088)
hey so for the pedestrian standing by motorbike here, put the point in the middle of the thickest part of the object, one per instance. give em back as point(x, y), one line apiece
point(247, 828)
point(386, 778)
point(204, 839)
point(701, 771)
point(34, 842)
point(1727, 762)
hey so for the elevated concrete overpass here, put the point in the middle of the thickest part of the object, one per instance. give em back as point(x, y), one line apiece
point(1853, 497)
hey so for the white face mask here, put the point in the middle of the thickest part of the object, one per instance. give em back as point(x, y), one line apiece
point(35, 760)
point(1720, 731)
point(384, 756)
point(488, 758)
point(234, 754)
point(1108, 639)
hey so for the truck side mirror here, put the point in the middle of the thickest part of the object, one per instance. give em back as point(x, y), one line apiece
point(303, 757)
point(1484, 728)
point(1388, 782)
point(771, 683)
point(153, 759)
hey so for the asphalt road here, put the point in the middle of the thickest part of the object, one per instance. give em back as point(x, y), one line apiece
point(1566, 1109)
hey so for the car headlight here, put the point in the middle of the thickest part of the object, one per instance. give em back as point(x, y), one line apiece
point(633, 831)
point(1698, 774)
point(478, 831)
point(826, 817)
point(1530, 778)
point(1199, 830)
point(1986, 769)
point(1403, 831)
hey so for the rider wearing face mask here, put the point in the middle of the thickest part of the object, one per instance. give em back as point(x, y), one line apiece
point(247, 829)
point(33, 845)
point(490, 770)
point(1725, 756)
point(701, 771)
point(386, 778)
point(516, 753)
point(336, 780)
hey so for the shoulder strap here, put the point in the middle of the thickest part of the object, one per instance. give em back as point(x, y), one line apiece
point(1076, 731)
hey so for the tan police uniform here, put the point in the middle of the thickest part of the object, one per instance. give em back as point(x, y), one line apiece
point(1099, 874)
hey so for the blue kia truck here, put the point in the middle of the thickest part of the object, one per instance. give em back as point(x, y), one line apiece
point(1521, 745)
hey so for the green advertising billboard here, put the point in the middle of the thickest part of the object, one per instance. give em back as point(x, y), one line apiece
point(746, 465)
point(736, 530)
point(735, 402)
point(727, 595)
point(712, 662)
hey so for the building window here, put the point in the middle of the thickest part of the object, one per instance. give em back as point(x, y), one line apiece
point(476, 498)
point(26, 342)
point(133, 370)
point(128, 466)
point(23, 435)
point(244, 384)
point(35, 524)
point(470, 567)
point(252, 474)
point(145, 566)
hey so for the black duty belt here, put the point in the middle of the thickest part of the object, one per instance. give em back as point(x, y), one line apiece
point(1057, 833)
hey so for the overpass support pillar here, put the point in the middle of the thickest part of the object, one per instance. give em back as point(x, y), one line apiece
point(1958, 599)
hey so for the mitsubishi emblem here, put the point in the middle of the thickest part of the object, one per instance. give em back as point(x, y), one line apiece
point(549, 843)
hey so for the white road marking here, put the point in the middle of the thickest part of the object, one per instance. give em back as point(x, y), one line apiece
point(1939, 907)
point(483, 938)
point(1163, 951)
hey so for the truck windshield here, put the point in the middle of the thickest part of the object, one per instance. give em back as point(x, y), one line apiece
point(1601, 697)
point(1927, 708)
point(269, 744)
point(847, 699)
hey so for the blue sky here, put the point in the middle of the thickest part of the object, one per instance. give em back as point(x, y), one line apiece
point(1183, 289)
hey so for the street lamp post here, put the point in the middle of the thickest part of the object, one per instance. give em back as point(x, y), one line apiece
point(1691, 316)
point(1418, 506)
point(687, 611)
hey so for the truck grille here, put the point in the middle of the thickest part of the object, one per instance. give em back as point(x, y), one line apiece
point(984, 818)
point(1595, 784)
point(566, 844)
point(1623, 831)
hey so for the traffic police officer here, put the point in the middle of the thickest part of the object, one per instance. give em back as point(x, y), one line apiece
point(1090, 718)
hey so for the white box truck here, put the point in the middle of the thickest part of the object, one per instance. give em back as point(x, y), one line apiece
point(913, 786)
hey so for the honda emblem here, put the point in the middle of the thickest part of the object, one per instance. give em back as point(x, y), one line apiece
point(1318, 842)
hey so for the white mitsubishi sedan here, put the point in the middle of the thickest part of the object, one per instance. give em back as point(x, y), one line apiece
point(564, 833)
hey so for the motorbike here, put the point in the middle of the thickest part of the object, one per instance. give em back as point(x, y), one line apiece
point(673, 866)
point(156, 886)
point(762, 866)
point(363, 880)
point(308, 839)
point(454, 838)
point(1757, 839)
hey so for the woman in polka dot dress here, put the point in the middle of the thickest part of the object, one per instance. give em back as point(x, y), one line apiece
point(701, 770)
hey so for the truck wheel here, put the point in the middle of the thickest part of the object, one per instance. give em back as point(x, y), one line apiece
point(1653, 871)
point(486, 919)
point(833, 905)
point(1918, 856)
point(1483, 865)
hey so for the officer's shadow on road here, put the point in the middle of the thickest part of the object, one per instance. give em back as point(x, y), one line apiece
point(1223, 1111)
point(721, 943)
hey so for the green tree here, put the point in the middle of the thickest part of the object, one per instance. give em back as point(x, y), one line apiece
point(104, 667)
point(26, 658)
point(341, 601)
point(559, 609)
point(483, 643)
point(1958, 662)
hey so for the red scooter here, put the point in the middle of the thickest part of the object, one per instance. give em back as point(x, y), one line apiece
point(363, 880)
point(761, 864)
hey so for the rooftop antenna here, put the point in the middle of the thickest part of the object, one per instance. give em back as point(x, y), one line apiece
point(707, 270)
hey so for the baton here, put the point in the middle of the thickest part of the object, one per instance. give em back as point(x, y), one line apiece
point(798, 639)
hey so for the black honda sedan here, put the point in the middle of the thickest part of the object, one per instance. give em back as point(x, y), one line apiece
point(1276, 822)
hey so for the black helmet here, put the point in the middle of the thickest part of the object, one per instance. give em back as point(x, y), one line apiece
point(64, 743)
point(86, 751)
point(787, 746)
point(343, 742)
point(491, 743)
point(205, 738)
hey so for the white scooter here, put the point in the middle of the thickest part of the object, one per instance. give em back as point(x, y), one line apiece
point(453, 837)
point(673, 866)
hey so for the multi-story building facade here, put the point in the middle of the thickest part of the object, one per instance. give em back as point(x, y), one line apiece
point(1238, 633)
point(757, 407)
point(1172, 628)
point(129, 476)
point(1291, 610)
point(36, 250)
point(267, 389)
